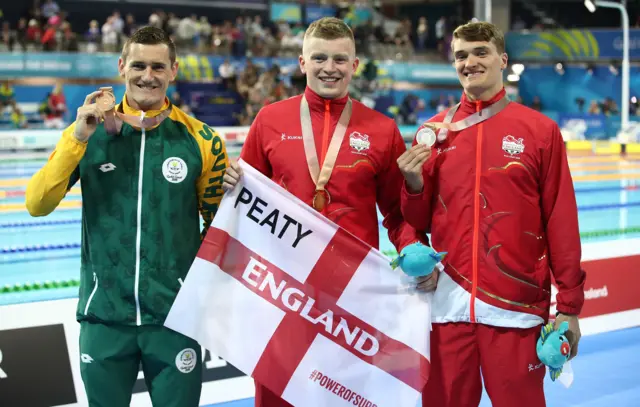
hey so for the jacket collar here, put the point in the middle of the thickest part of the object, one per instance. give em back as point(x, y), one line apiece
point(127, 109)
point(472, 106)
point(318, 103)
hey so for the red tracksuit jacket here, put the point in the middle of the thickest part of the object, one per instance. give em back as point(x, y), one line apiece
point(507, 217)
point(361, 176)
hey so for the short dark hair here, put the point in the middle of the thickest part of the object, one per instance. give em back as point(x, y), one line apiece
point(481, 31)
point(150, 36)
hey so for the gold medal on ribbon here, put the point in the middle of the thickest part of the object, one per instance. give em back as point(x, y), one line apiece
point(321, 175)
point(320, 200)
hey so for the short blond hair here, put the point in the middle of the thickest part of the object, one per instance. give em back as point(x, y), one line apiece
point(329, 28)
point(480, 31)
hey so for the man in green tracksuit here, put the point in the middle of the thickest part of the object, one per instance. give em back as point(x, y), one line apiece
point(143, 189)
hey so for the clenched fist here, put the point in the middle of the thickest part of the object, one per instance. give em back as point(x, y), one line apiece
point(411, 163)
point(428, 283)
point(88, 118)
point(573, 334)
point(231, 176)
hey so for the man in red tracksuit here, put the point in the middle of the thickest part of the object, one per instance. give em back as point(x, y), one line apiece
point(289, 135)
point(495, 192)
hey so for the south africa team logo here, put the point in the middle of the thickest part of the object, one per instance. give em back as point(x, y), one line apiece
point(186, 360)
point(174, 169)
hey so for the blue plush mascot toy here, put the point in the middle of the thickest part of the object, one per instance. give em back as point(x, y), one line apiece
point(418, 260)
point(553, 348)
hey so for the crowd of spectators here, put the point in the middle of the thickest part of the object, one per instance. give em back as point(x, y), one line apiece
point(46, 27)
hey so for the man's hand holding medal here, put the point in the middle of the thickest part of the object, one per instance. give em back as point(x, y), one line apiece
point(411, 162)
point(96, 106)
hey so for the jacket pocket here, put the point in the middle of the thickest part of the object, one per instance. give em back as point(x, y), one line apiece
point(93, 292)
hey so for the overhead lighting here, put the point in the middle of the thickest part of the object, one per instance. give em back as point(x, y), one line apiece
point(590, 6)
point(517, 69)
point(513, 77)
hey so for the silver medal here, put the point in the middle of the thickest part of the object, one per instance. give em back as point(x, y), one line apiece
point(426, 136)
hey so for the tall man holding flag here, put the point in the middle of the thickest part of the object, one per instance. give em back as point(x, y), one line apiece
point(333, 153)
point(497, 195)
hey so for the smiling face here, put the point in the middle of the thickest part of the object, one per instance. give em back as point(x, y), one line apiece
point(479, 59)
point(147, 71)
point(329, 58)
point(148, 65)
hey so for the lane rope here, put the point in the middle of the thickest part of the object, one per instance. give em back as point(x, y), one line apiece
point(38, 248)
point(75, 245)
point(37, 286)
point(28, 224)
point(50, 285)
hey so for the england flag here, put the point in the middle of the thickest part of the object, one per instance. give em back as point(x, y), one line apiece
point(302, 306)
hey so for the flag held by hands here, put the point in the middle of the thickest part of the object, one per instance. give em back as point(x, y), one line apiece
point(303, 306)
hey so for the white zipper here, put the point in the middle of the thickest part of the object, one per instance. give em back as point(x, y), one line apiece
point(95, 288)
point(139, 226)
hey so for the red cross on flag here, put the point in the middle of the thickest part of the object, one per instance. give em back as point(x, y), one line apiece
point(302, 306)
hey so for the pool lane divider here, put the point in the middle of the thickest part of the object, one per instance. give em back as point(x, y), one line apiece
point(50, 285)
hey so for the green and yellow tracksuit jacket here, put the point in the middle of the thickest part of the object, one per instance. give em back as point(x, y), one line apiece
point(143, 192)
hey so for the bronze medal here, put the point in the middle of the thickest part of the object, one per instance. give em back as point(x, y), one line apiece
point(106, 102)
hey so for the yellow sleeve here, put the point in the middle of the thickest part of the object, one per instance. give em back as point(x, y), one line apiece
point(50, 184)
point(214, 164)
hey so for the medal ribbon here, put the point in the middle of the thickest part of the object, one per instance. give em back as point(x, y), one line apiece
point(321, 177)
point(142, 122)
point(468, 121)
point(113, 119)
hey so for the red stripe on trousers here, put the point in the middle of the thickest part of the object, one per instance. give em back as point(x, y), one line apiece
point(325, 284)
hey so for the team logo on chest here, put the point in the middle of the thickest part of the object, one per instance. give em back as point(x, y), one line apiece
point(174, 169)
point(359, 142)
point(513, 146)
